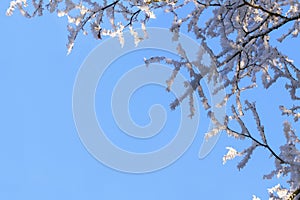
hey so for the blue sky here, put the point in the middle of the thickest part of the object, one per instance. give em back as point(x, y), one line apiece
point(42, 156)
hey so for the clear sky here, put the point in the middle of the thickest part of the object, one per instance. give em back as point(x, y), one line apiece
point(42, 156)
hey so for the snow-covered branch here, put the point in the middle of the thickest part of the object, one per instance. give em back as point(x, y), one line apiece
point(245, 59)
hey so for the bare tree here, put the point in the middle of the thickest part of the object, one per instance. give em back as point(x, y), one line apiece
point(244, 29)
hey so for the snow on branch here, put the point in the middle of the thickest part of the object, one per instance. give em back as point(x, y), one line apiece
point(292, 111)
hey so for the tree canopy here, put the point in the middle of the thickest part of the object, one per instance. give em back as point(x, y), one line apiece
point(245, 59)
